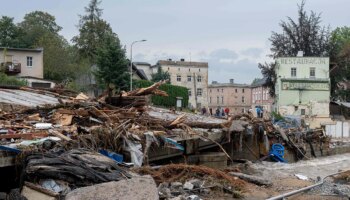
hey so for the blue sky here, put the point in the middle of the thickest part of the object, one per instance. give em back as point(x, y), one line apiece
point(231, 35)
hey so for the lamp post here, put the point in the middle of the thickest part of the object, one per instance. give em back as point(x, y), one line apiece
point(131, 60)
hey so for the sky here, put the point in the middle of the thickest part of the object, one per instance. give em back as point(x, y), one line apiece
point(231, 35)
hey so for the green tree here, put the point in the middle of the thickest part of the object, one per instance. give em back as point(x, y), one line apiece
point(112, 64)
point(160, 75)
point(9, 33)
point(36, 25)
point(92, 31)
point(340, 56)
point(304, 34)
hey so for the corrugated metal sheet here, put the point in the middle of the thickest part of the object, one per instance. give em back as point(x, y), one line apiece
point(25, 98)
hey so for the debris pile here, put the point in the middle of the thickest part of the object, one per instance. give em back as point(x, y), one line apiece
point(190, 181)
point(76, 141)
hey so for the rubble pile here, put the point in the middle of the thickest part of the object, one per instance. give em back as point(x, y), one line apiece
point(184, 181)
point(263, 133)
point(77, 141)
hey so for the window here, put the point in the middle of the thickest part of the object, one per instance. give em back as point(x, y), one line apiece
point(168, 68)
point(189, 69)
point(242, 110)
point(29, 61)
point(178, 78)
point(178, 69)
point(189, 78)
point(242, 99)
point(312, 72)
point(293, 72)
point(302, 111)
point(222, 90)
point(199, 70)
point(222, 100)
point(209, 99)
point(199, 78)
point(236, 90)
point(199, 91)
point(189, 92)
point(217, 100)
point(210, 90)
point(242, 90)
point(217, 90)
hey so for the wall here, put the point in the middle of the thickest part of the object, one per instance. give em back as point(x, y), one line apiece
point(37, 70)
point(193, 69)
point(231, 94)
point(261, 97)
point(312, 94)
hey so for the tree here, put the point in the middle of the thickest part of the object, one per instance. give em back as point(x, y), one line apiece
point(36, 25)
point(256, 80)
point(9, 33)
point(92, 31)
point(306, 34)
point(112, 64)
point(160, 75)
point(340, 57)
point(268, 71)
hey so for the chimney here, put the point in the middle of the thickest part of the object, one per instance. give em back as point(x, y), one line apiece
point(214, 82)
point(300, 54)
point(232, 80)
point(182, 60)
point(169, 59)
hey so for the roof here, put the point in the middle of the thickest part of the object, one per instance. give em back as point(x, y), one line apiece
point(260, 82)
point(25, 98)
point(36, 78)
point(345, 104)
point(22, 49)
point(182, 63)
point(139, 72)
point(141, 63)
point(215, 85)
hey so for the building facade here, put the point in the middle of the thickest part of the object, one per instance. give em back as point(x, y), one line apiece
point(22, 62)
point(192, 75)
point(261, 96)
point(303, 88)
point(236, 97)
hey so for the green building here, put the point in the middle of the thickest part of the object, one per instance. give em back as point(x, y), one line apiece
point(303, 88)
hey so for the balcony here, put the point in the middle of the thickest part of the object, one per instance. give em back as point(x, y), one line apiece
point(10, 68)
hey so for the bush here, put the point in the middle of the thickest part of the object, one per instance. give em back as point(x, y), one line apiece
point(11, 80)
point(172, 90)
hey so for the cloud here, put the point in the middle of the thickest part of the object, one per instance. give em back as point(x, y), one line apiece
point(253, 52)
point(242, 71)
point(225, 54)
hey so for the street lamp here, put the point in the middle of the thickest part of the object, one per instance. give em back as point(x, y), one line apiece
point(131, 60)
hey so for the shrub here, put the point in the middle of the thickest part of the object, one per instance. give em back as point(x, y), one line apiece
point(172, 90)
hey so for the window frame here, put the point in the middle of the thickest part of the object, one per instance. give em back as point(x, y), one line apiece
point(199, 92)
point(189, 78)
point(312, 69)
point(30, 61)
point(293, 72)
point(178, 78)
point(199, 78)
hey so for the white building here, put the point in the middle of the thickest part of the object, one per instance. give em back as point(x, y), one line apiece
point(192, 75)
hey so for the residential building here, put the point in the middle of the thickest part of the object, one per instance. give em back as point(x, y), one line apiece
point(25, 64)
point(261, 96)
point(303, 88)
point(22, 62)
point(192, 75)
point(236, 97)
point(145, 68)
point(139, 72)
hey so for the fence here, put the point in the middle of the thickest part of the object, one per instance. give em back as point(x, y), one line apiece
point(339, 130)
